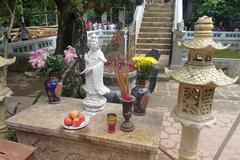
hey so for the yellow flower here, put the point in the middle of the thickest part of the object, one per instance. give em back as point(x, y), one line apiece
point(144, 66)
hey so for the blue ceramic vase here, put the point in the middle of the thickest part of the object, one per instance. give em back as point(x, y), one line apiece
point(53, 88)
point(142, 94)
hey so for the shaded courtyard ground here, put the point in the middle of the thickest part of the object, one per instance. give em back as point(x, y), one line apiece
point(226, 107)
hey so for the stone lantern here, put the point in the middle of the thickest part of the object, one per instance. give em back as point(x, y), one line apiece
point(4, 90)
point(197, 79)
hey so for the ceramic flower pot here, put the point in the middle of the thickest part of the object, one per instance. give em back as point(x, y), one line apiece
point(127, 125)
point(53, 88)
point(142, 94)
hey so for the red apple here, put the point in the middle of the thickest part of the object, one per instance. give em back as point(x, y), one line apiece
point(82, 118)
point(68, 121)
point(76, 122)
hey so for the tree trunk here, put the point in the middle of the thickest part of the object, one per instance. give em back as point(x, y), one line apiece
point(71, 28)
point(5, 41)
point(71, 31)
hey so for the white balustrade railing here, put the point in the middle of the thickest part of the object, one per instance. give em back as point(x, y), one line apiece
point(104, 36)
point(138, 17)
point(135, 27)
point(178, 15)
point(225, 38)
point(25, 47)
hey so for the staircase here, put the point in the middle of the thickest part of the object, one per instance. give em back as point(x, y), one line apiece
point(156, 29)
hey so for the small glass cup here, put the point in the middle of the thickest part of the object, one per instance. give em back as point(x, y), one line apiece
point(111, 121)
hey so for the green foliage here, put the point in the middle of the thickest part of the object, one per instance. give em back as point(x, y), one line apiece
point(54, 64)
point(38, 97)
point(9, 134)
point(76, 2)
point(227, 54)
point(219, 9)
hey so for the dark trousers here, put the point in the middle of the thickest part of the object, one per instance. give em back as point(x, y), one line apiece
point(153, 80)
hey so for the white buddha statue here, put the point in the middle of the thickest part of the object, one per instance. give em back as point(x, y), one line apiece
point(94, 101)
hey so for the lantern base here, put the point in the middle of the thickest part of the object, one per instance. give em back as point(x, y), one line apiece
point(190, 120)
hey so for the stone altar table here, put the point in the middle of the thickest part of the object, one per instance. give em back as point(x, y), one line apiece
point(40, 126)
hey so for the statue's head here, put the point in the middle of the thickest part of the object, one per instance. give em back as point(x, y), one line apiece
point(94, 44)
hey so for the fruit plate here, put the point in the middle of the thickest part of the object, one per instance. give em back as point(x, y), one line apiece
point(82, 125)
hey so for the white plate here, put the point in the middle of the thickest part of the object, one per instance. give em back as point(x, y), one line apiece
point(82, 125)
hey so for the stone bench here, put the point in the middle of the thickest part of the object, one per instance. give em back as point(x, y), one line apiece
point(15, 151)
point(40, 125)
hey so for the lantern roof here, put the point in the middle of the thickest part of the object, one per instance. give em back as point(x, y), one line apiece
point(6, 61)
point(203, 36)
point(200, 75)
point(200, 43)
point(199, 68)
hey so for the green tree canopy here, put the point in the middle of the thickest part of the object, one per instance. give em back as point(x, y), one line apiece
point(221, 10)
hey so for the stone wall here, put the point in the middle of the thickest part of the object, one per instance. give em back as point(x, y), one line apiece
point(56, 148)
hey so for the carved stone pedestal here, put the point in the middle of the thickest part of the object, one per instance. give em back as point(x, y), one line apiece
point(93, 104)
point(190, 134)
point(189, 143)
point(40, 126)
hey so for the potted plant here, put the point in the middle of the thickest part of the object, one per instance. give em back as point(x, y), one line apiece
point(55, 68)
point(144, 66)
point(122, 79)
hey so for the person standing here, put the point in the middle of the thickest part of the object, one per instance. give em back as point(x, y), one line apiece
point(24, 32)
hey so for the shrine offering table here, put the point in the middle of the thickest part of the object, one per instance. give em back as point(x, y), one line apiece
point(40, 126)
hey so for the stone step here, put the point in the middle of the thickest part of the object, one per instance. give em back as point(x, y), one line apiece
point(145, 51)
point(157, 19)
point(156, 29)
point(157, 24)
point(155, 35)
point(157, 14)
point(158, 5)
point(153, 45)
point(158, 9)
point(154, 40)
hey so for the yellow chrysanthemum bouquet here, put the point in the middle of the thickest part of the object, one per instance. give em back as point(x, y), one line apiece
point(144, 66)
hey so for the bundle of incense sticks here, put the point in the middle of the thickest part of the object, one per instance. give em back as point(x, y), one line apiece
point(122, 81)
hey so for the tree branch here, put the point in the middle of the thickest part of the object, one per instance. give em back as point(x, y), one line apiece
point(6, 4)
point(12, 17)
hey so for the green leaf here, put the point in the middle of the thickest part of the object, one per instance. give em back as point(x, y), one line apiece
point(37, 97)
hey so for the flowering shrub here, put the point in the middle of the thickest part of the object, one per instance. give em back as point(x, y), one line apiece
point(144, 66)
point(48, 63)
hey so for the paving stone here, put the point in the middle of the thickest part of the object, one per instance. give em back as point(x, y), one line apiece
point(171, 130)
point(167, 143)
point(175, 138)
point(166, 124)
point(177, 126)
point(164, 135)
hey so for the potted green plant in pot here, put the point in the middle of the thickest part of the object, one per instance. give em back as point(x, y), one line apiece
point(54, 67)
point(144, 66)
point(127, 99)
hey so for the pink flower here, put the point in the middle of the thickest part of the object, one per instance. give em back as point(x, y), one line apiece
point(71, 49)
point(37, 62)
point(37, 58)
point(70, 54)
